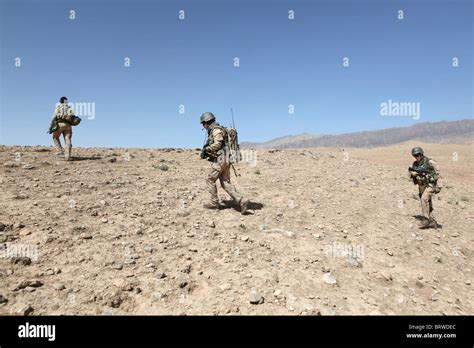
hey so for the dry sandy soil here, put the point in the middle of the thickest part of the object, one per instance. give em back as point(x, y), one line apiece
point(329, 232)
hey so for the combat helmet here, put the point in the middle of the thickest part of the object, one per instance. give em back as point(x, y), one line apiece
point(208, 117)
point(417, 151)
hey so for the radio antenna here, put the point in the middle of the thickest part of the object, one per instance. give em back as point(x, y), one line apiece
point(232, 113)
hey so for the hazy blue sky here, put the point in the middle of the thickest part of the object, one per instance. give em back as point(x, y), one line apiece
point(190, 62)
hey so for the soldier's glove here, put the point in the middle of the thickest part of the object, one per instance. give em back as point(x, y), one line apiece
point(413, 174)
point(436, 189)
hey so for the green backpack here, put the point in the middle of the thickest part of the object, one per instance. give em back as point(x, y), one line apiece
point(232, 145)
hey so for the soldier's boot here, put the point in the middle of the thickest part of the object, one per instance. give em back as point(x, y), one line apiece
point(433, 223)
point(429, 223)
point(425, 224)
point(422, 220)
point(244, 202)
point(67, 154)
point(59, 148)
point(216, 206)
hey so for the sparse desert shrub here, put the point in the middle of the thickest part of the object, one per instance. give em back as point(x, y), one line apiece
point(162, 167)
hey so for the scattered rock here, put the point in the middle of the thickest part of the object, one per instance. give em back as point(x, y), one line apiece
point(255, 297)
point(59, 287)
point(25, 310)
point(24, 233)
point(50, 239)
point(329, 279)
point(78, 228)
point(123, 285)
point(327, 311)
point(117, 266)
point(21, 260)
point(277, 293)
point(225, 287)
point(115, 301)
point(211, 224)
point(18, 225)
point(385, 275)
point(3, 299)
point(160, 275)
point(31, 283)
point(10, 164)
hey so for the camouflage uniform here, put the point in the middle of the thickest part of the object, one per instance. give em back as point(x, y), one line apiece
point(62, 126)
point(428, 189)
point(220, 168)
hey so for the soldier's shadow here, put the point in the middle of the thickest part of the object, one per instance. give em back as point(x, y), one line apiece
point(421, 218)
point(85, 158)
point(250, 206)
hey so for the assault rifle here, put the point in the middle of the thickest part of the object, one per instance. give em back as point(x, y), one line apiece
point(204, 154)
point(422, 174)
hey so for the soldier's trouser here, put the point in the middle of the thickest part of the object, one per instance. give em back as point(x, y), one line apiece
point(221, 171)
point(66, 131)
point(426, 193)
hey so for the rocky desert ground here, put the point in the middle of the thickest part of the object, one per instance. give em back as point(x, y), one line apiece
point(330, 232)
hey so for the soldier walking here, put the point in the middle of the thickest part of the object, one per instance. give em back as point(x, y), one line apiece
point(215, 151)
point(425, 173)
point(61, 125)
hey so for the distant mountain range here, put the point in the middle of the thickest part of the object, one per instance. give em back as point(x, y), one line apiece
point(429, 132)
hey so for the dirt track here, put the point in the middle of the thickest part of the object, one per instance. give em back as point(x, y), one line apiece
point(113, 233)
